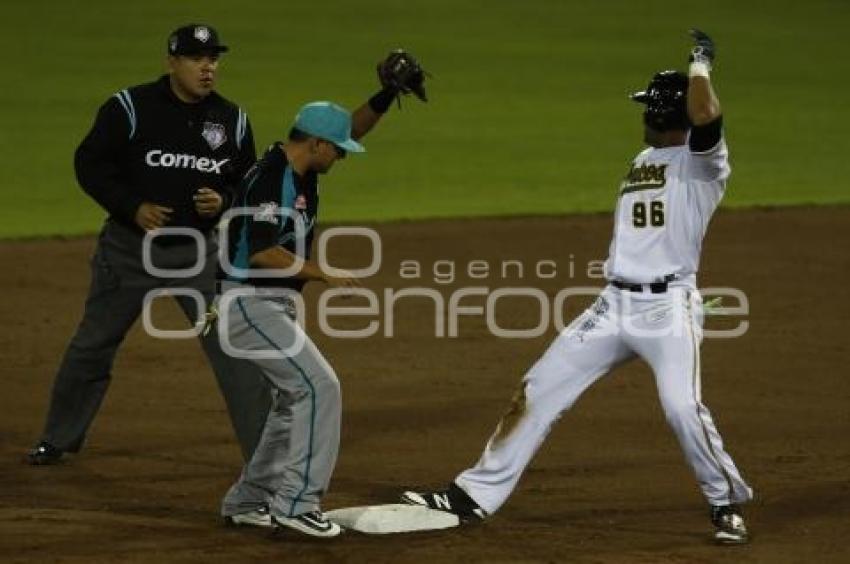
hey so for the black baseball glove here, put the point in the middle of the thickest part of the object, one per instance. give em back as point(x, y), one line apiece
point(403, 74)
point(703, 50)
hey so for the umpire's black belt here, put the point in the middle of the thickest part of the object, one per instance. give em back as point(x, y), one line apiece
point(654, 287)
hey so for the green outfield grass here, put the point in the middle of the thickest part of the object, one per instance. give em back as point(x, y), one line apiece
point(528, 114)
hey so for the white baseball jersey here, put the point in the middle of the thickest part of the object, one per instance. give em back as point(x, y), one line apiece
point(666, 201)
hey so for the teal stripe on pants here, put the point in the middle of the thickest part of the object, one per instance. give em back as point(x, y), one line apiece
point(312, 402)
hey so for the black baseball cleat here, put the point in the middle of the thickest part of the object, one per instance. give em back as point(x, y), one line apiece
point(44, 454)
point(314, 524)
point(453, 500)
point(729, 524)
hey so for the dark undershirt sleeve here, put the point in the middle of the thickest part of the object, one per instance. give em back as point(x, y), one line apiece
point(705, 137)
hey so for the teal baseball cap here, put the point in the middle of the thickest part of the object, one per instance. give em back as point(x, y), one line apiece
point(328, 121)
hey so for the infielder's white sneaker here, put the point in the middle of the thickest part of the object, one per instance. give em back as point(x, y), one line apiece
point(453, 500)
point(259, 517)
point(313, 523)
point(729, 523)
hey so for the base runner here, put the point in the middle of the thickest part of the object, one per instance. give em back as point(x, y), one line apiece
point(650, 309)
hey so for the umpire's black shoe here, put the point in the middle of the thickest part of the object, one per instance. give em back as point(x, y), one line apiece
point(729, 524)
point(453, 500)
point(44, 454)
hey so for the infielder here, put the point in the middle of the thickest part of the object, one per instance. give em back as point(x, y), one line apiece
point(282, 484)
point(650, 309)
point(164, 154)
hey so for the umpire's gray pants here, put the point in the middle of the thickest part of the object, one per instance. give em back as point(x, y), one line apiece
point(119, 284)
point(292, 466)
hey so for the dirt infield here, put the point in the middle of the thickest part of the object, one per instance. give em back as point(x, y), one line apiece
point(609, 485)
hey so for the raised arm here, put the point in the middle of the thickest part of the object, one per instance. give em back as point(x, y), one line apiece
point(369, 114)
point(703, 105)
point(399, 74)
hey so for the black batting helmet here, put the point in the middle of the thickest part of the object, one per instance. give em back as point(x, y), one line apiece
point(666, 101)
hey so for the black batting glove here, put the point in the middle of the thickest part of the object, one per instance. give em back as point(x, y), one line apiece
point(703, 50)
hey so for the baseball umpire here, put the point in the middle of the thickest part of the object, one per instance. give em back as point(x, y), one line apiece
point(651, 309)
point(284, 481)
point(167, 153)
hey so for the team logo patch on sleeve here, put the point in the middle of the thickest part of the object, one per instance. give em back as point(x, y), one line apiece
point(268, 213)
point(214, 134)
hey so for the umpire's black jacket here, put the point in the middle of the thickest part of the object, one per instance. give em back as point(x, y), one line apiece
point(146, 145)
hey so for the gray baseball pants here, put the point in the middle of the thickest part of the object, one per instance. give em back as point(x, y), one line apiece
point(118, 286)
point(292, 466)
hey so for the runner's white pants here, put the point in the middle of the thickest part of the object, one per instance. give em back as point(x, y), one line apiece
point(663, 329)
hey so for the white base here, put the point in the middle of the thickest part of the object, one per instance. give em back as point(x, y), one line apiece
point(392, 518)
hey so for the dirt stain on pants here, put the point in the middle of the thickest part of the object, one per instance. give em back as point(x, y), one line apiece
point(512, 416)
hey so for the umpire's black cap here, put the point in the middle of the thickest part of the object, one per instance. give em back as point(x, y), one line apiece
point(194, 39)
